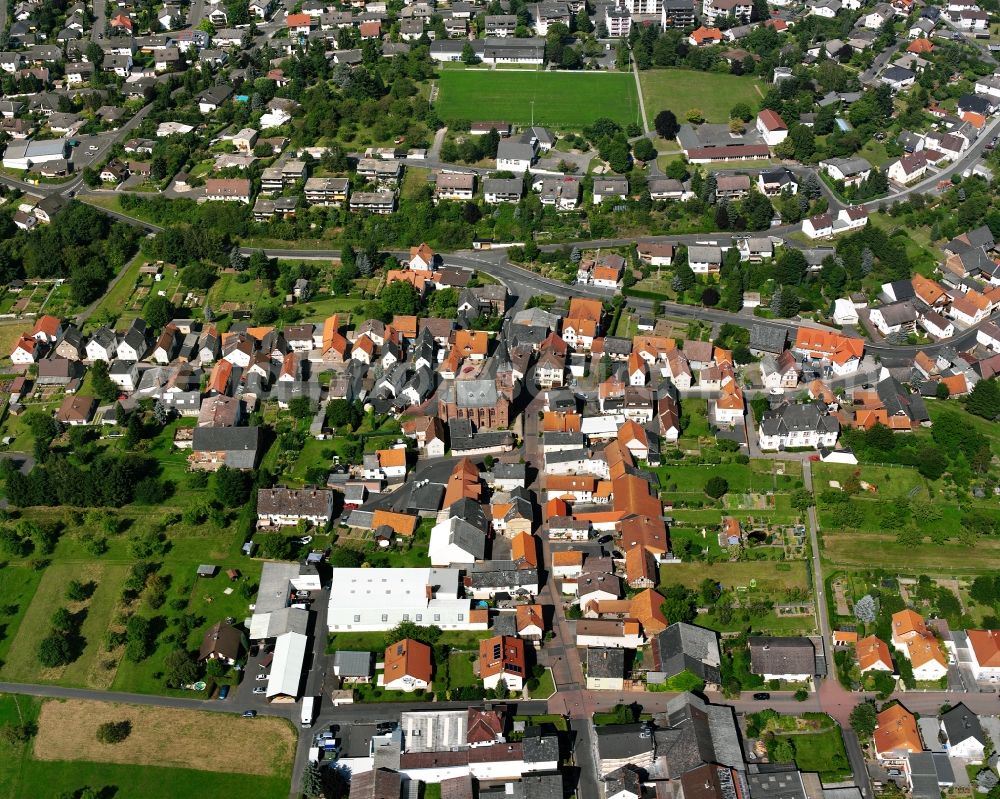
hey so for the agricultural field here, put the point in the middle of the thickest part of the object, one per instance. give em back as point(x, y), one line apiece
point(897, 517)
point(680, 90)
point(169, 753)
point(561, 100)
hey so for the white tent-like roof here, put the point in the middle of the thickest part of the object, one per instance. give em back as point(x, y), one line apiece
point(286, 668)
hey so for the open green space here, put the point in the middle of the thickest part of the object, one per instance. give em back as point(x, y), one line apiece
point(36, 778)
point(546, 686)
point(21, 774)
point(680, 90)
point(375, 641)
point(460, 673)
point(560, 99)
point(22, 661)
point(17, 587)
point(812, 741)
point(770, 577)
point(112, 303)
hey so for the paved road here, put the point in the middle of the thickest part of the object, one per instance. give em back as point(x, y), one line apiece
point(644, 122)
point(869, 76)
point(76, 183)
point(524, 282)
point(177, 703)
point(99, 29)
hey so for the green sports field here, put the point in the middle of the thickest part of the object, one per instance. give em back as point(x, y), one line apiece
point(561, 99)
point(680, 90)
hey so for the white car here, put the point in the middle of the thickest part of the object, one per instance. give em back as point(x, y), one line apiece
point(93, 148)
point(306, 539)
point(261, 677)
point(260, 689)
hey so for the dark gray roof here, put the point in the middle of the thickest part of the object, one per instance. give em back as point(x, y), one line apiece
point(960, 724)
point(899, 400)
point(604, 661)
point(627, 778)
point(505, 624)
point(500, 574)
point(352, 664)
point(776, 785)
point(540, 748)
point(898, 313)
point(509, 471)
point(564, 439)
point(697, 734)
point(539, 786)
point(475, 393)
point(923, 776)
point(239, 443)
point(467, 537)
point(687, 647)
point(794, 655)
point(768, 338)
point(902, 290)
point(789, 417)
point(619, 741)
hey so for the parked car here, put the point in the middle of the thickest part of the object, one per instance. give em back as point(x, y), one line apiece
point(249, 714)
point(261, 677)
point(223, 692)
point(260, 689)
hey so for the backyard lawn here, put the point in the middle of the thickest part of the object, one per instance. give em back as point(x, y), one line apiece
point(560, 99)
point(680, 90)
point(770, 576)
point(822, 753)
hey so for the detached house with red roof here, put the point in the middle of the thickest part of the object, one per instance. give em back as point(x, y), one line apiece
point(25, 350)
point(771, 127)
point(407, 666)
point(502, 659)
point(47, 329)
point(984, 646)
point(843, 354)
point(703, 37)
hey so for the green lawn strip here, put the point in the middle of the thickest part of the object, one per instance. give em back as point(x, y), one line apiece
point(680, 477)
point(460, 673)
point(375, 641)
point(546, 686)
point(22, 661)
point(853, 549)
point(559, 99)
point(538, 721)
point(770, 623)
point(771, 576)
point(891, 482)
point(52, 778)
point(680, 90)
point(821, 752)
point(100, 612)
point(17, 587)
point(372, 693)
point(15, 756)
point(228, 289)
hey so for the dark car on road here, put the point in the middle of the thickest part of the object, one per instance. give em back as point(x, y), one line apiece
point(762, 696)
